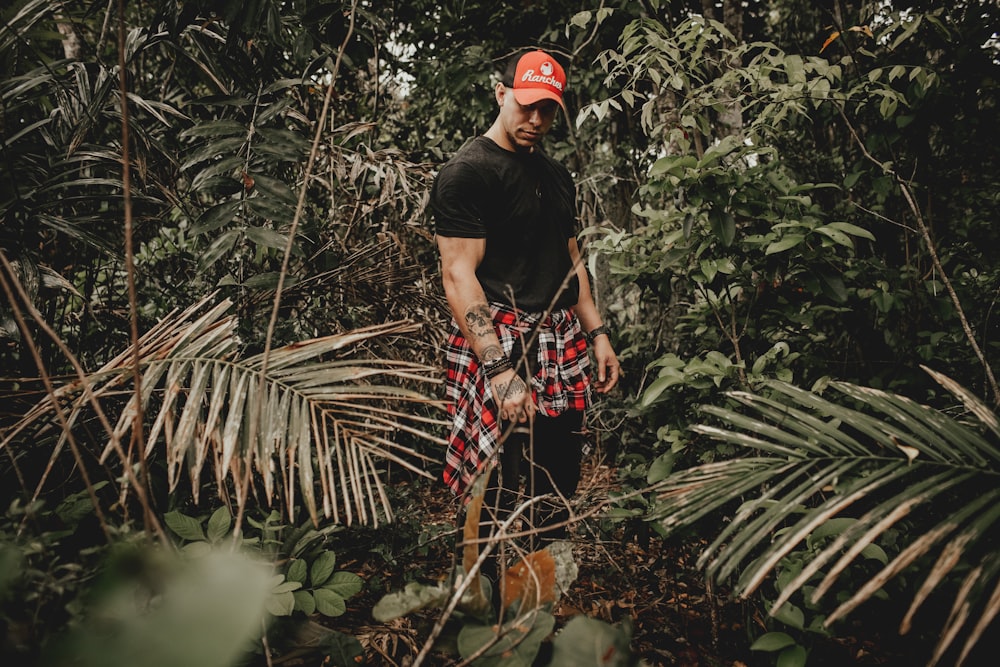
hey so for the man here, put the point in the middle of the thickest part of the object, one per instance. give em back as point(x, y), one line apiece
point(506, 228)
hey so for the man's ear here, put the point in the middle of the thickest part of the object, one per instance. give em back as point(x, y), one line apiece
point(499, 92)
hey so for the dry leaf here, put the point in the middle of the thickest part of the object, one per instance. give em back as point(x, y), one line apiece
point(532, 580)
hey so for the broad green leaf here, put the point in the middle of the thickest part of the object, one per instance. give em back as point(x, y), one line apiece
point(184, 526)
point(219, 524)
point(832, 528)
point(875, 552)
point(787, 242)
point(344, 584)
point(413, 597)
point(220, 247)
point(275, 188)
point(833, 286)
point(329, 603)
point(281, 604)
point(322, 568)
point(836, 236)
point(793, 656)
point(343, 650)
point(790, 615)
point(581, 19)
point(304, 602)
point(724, 227)
point(772, 641)
point(659, 385)
point(661, 467)
point(297, 571)
point(517, 647)
point(853, 230)
point(287, 587)
point(587, 641)
point(267, 237)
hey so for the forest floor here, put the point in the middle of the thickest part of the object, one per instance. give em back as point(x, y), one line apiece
point(649, 584)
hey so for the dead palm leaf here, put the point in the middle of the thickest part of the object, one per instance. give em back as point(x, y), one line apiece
point(327, 424)
point(814, 460)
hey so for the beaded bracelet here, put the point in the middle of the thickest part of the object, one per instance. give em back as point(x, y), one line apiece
point(597, 332)
point(495, 367)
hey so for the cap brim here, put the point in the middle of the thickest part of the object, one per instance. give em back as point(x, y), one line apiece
point(528, 96)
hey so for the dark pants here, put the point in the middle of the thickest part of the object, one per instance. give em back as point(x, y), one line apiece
point(541, 462)
point(534, 461)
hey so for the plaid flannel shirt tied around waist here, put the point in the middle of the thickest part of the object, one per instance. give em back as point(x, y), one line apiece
point(560, 383)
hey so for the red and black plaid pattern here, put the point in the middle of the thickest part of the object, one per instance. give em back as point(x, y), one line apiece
point(560, 383)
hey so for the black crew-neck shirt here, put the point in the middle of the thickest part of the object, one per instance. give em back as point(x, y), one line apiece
point(524, 205)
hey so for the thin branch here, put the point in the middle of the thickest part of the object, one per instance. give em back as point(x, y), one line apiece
point(47, 380)
point(138, 432)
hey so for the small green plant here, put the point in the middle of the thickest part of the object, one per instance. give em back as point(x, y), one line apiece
point(307, 583)
point(798, 623)
point(526, 623)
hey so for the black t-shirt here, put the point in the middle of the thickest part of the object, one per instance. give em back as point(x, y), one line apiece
point(524, 205)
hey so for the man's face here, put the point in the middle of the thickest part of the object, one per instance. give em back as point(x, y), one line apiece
point(524, 125)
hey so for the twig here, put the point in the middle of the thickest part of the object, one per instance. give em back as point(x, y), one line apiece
point(137, 442)
point(470, 576)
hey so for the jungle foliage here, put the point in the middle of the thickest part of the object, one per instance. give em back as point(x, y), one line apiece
point(222, 320)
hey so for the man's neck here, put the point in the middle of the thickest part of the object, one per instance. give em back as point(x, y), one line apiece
point(500, 138)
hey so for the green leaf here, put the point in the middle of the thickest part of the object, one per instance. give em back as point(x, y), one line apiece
point(581, 19)
point(413, 597)
point(833, 286)
point(267, 237)
point(658, 386)
point(219, 524)
point(787, 242)
point(588, 641)
point(833, 527)
point(772, 641)
point(322, 568)
point(304, 602)
point(297, 571)
point(275, 188)
point(790, 615)
point(661, 467)
point(853, 230)
point(836, 236)
point(329, 603)
point(281, 604)
point(517, 646)
point(344, 650)
point(724, 227)
point(220, 248)
point(793, 656)
point(287, 587)
point(184, 526)
point(875, 552)
point(219, 215)
point(344, 584)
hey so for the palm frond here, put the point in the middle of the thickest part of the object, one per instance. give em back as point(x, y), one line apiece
point(310, 420)
point(811, 460)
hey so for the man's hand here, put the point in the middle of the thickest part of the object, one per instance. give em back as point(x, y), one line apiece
point(608, 368)
point(513, 397)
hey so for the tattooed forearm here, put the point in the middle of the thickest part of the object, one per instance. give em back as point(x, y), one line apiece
point(512, 389)
point(491, 352)
point(479, 320)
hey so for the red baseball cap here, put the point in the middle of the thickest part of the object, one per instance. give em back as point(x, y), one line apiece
point(539, 77)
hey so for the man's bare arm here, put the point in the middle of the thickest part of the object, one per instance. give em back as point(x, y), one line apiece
point(459, 259)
